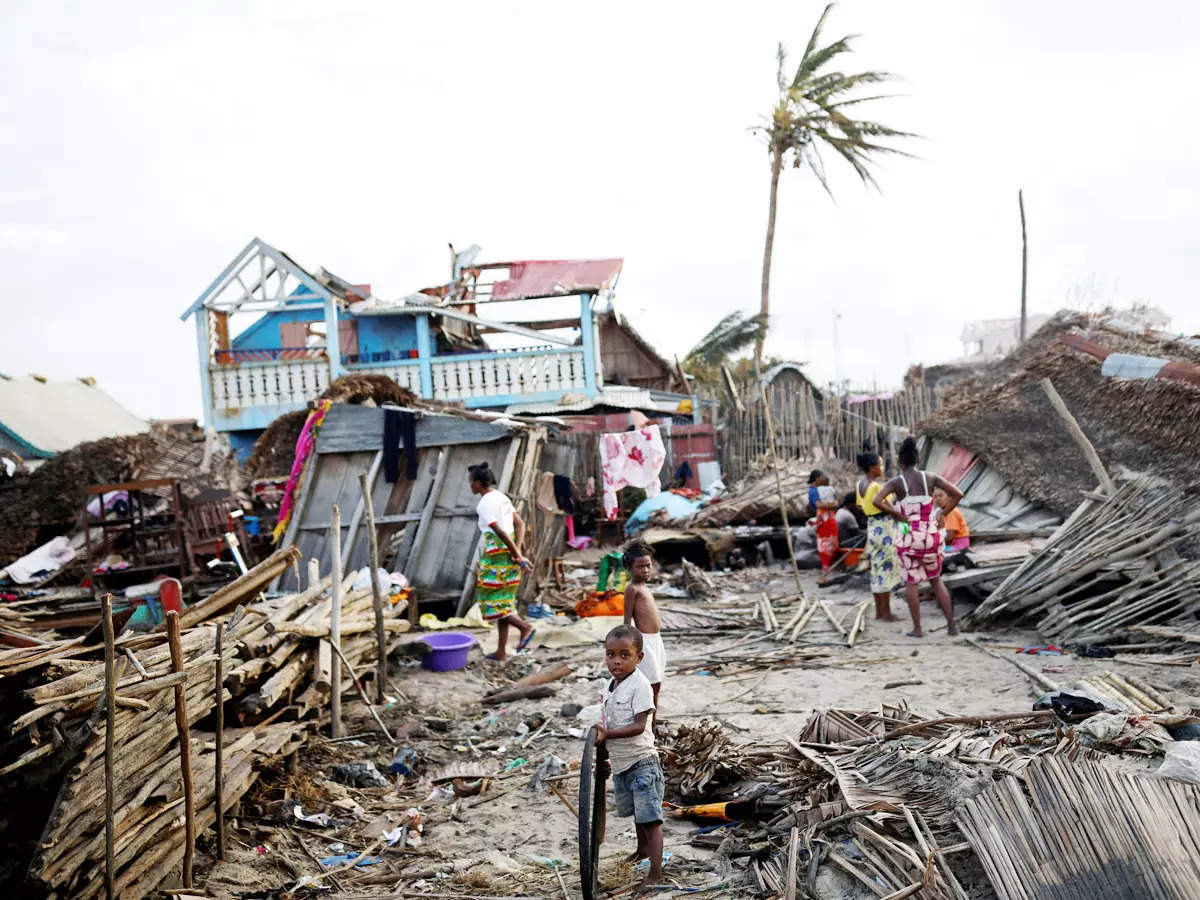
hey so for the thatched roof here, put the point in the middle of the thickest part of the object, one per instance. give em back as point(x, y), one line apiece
point(1138, 425)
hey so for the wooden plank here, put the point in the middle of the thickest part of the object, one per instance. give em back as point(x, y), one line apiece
point(349, 428)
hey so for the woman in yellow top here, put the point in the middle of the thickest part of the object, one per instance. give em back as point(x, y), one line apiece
point(881, 536)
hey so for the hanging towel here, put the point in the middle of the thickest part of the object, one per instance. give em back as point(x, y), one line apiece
point(564, 494)
point(631, 458)
point(399, 427)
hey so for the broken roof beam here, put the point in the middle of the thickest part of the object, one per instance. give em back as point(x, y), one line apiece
point(538, 325)
point(451, 313)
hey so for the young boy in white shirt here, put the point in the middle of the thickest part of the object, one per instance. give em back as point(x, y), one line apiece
point(637, 775)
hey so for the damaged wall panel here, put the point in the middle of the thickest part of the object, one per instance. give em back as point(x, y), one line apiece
point(426, 526)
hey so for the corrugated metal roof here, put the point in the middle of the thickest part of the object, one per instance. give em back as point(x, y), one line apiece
point(556, 278)
point(52, 416)
point(1130, 365)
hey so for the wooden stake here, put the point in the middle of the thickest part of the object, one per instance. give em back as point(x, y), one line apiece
point(185, 749)
point(1089, 452)
point(335, 625)
point(376, 592)
point(110, 713)
point(793, 842)
point(219, 770)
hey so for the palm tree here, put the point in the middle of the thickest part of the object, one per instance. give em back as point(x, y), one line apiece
point(731, 335)
point(811, 112)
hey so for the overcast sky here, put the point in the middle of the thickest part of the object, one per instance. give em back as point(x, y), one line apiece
point(142, 145)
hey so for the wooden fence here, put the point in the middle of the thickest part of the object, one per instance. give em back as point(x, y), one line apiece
point(812, 427)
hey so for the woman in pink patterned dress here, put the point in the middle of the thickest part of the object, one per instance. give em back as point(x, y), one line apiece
point(919, 544)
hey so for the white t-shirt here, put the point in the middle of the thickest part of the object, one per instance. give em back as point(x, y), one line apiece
point(622, 704)
point(495, 507)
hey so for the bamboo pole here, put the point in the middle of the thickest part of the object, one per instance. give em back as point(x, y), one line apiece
point(110, 713)
point(376, 592)
point(219, 765)
point(787, 529)
point(335, 626)
point(185, 750)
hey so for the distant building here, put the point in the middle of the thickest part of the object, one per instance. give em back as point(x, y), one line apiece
point(40, 418)
point(990, 339)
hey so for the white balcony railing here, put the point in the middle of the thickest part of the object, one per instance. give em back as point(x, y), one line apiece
point(282, 383)
point(251, 385)
point(507, 374)
point(407, 375)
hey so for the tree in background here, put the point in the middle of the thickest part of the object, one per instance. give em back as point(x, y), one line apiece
point(733, 334)
point(813, 111)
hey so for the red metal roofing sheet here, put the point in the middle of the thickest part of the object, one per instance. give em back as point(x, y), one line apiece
point(958, 464)
point(552, 278)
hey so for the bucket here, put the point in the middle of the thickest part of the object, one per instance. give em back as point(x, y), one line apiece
point(449, 651)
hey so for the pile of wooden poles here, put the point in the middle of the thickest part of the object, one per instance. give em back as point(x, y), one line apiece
point(1110, 567)
point(139, 777)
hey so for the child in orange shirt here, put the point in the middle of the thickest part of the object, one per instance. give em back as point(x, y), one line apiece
point(956, 534)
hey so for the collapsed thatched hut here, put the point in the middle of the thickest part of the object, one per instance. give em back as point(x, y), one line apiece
point(1147, 425)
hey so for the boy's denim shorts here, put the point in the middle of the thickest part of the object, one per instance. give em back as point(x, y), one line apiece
point(639, 791)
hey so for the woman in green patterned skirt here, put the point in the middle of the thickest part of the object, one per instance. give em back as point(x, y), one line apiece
point(500, 561)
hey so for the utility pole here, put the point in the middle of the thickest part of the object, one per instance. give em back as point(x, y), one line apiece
point(1024, 258)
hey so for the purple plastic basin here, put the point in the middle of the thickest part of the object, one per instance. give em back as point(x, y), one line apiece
point(450, 651)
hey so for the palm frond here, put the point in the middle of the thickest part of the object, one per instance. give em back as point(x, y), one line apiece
point(734, 333)
point(781, 60)
point(818, 59)
point(816, 33)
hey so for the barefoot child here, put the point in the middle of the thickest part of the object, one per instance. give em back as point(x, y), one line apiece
point(636, 773)
point(641, 610)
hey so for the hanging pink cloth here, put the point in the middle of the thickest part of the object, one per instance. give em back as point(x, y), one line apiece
point(633, 459)
point(304, 448)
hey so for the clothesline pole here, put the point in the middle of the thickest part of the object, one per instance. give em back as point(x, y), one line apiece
point(787, 530)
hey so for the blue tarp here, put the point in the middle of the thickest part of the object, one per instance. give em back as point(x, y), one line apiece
point(677, 508)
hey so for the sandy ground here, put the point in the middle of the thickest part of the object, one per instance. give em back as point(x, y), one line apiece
point(499, 840)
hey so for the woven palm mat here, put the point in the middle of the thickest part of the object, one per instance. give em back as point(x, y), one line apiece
point(1071, 830)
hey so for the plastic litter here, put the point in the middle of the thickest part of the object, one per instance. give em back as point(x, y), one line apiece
point(551, 766)
point(347, 858)
point(644, 865)
point(506, 864)
point(359, 774)
point(1182, 762)
point(514, 765)
point(321, 820)
point(404, 762)
point(547, 861)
